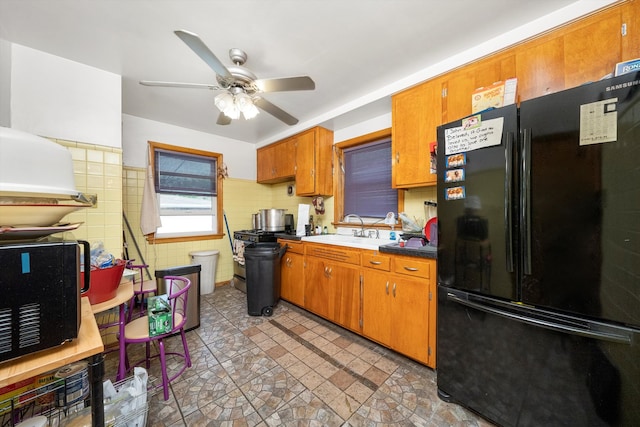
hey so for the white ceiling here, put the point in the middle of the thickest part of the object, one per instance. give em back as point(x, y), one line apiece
point(358, 52)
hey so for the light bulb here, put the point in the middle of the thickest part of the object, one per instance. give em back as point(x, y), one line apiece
point(250, 111)
point(223, 101)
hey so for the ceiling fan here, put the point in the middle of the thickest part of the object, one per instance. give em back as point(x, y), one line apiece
point(242, 89)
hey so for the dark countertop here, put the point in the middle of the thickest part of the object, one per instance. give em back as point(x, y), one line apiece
point(430, 252)
point(287, 236)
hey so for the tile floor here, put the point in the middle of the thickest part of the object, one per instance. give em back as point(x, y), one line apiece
point(292, 368)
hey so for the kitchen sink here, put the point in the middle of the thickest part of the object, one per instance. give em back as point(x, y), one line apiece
point(347, 240)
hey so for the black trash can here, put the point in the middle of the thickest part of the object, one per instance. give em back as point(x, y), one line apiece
point(191, 272)
point(262, 262)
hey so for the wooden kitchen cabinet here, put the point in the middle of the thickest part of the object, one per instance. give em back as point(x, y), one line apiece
point(292, 273)
point(459, 85)
point(592, 47)
point(397, 306)
point(276, 162)
point(332, 284)
point(313, 160)
point(416, 112)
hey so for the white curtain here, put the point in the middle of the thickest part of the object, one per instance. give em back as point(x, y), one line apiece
point(149, 212)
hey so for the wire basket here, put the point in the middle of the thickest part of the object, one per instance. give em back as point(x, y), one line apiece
point(64, 402)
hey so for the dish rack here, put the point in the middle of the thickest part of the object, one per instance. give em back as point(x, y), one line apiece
point(63, 402)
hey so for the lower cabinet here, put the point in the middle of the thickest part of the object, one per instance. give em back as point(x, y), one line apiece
point(395, 308)
point(292, 273)
point(386, 298)
point(332, 290)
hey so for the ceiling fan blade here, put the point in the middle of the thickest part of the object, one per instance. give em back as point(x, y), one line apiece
point(285, 84)
point(276, 112)
point(178, 84)
point(223, 120)
point(193, 41)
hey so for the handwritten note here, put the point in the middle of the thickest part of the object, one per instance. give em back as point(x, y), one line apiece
point(473, 134)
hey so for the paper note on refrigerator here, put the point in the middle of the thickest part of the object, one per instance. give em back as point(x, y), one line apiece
point(474, 133)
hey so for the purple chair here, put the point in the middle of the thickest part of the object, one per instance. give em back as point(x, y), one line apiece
point(141, 289)
point(137, 331)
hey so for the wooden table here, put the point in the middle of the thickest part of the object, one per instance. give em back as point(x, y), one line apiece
point(124, 295)
point(87, 345)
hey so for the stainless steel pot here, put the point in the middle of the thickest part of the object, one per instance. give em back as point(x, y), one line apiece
point(272, 219)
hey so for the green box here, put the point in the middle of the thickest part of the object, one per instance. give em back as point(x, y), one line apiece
point(159, 315)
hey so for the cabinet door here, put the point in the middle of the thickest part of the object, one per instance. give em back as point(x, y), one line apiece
point(292, 278)
point(348, 279)
point(540, 67)
point(410, 317)
point(321, 291)
point(305, 164)
point(631, 32)
point(416, 113)
point(592, 49)
point(459, 85)
point(376, 306)
point(265, 163)
point(285, 159)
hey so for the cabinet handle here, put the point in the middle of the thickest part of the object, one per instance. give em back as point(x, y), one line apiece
point(288, 262)
point(410, 268)
point(387, 287)
point(375, 262)
point(397, 157)
point(394, 290)
point(327, 272)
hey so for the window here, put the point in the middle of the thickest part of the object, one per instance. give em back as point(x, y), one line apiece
point(189, 192)
point(367, 180)
point(363, 184)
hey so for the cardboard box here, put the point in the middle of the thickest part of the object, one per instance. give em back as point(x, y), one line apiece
point(627, 67)
point(495, 96)
point(159, 315)
point(487, 97)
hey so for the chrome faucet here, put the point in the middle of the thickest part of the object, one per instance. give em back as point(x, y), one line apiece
point(355, 232)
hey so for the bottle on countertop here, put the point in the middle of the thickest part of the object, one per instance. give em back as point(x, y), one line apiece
point(311, 226)
point(325, 230)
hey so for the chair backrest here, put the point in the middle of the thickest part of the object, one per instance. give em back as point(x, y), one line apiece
point(138, 283)
point(177, 291)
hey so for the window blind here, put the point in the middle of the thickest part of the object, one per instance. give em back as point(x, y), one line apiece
point(187, 174)
point(367, 183)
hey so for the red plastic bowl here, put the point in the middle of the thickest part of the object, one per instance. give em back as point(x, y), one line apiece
point(104, 282)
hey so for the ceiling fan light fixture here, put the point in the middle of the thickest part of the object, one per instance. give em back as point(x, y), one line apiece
point(231, 105)
point(224, 101)
point(250, 111)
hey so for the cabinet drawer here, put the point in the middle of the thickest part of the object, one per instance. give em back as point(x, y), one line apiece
point(412, 266)
point(294, 246)
point(373, 259)
point(334, 253)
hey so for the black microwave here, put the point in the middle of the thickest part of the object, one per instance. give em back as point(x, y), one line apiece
point(41, 291)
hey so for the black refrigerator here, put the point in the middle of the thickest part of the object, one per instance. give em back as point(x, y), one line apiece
point(539, 259)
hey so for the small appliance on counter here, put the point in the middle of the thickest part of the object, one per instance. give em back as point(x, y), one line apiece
point(40, 277)
point(40, 306)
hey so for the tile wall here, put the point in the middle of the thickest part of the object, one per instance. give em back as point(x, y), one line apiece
point(98, 170)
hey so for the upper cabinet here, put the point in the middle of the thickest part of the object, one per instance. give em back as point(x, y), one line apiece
point(314, 165)
point(305, 157)
point(576, 53)
point(416, 113)
point(276, 162)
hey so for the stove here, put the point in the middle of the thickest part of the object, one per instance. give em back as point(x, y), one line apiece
point(254, 236)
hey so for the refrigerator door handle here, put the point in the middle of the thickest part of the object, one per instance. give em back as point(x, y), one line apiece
point(621, 338)
point(525, 191)
point(508, 197)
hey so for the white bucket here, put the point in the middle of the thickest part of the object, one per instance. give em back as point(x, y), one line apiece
point(207, 261)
